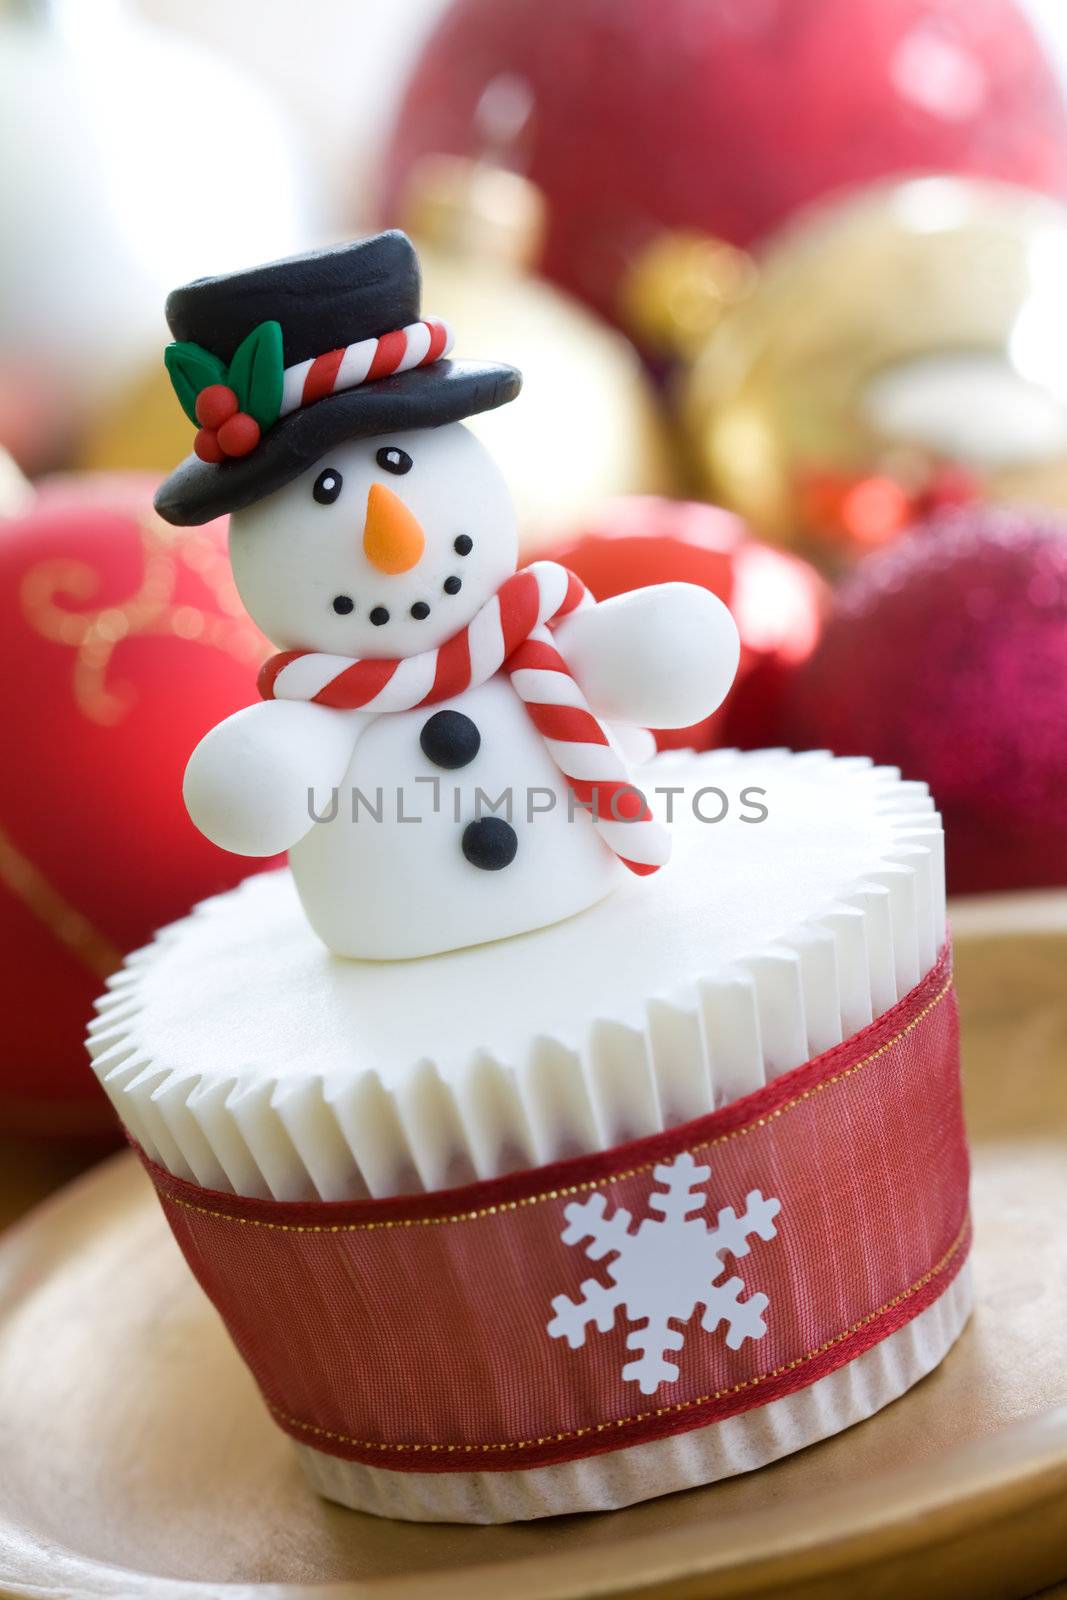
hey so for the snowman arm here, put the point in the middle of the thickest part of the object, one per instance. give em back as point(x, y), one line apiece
point(663, 657)
point(636, 744)
point(252, 782)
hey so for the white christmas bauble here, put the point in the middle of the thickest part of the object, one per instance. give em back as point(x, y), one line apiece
point(135, 160)
point(339, 72)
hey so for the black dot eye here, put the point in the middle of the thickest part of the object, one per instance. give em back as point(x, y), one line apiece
point(393, 460)
point(453, 585)
point(327, 486)
point(463, 545)
point(343, 604)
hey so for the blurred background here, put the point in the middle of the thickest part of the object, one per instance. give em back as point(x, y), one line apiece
point(788, 283)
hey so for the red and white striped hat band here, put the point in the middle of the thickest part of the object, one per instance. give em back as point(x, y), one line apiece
point(420, 344)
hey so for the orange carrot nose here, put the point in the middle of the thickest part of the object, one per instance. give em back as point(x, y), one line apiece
point(392, 535)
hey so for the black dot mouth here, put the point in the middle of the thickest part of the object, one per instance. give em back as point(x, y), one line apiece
point(379, 616)
point(463, 544)
point(453, 585)
point(343, 604)
point(420, 611)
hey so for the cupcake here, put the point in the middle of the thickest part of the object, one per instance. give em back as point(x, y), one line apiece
point(563, 1127)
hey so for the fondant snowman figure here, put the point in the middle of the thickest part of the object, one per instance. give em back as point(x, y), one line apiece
point(444, 743)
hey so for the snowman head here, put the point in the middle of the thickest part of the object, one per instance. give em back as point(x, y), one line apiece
point(385, 547)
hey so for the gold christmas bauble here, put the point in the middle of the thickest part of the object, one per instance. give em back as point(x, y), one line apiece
point(901, 347)
point(141, 429)
point(587, 424)
point(678, 288)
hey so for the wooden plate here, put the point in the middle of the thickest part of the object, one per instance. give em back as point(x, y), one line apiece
point(136, 1460)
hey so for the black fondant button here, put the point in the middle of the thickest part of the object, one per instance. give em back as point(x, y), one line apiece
point(490, 843)
point(450, 740)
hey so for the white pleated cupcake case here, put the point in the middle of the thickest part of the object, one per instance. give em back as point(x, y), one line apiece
point(244, 1057)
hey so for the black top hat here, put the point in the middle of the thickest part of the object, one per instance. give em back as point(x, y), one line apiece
point(243, 329)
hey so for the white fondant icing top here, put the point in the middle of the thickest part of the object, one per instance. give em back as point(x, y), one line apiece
point(248, 974)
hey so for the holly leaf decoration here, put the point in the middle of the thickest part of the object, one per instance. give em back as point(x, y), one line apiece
point(256, 373)
point(191, 368)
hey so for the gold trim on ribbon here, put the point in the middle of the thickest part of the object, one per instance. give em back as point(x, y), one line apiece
point(576, 1188)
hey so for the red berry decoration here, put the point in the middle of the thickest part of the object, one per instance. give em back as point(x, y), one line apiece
point(240, 435)
point(215, 405)
point(207, 446)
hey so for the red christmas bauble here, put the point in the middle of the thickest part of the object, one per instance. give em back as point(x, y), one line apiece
point(122, 641)
point(946, 655)
point(726, 115)
point(777, 600)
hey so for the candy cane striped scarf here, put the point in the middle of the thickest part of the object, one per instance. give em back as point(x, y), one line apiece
point(511, 632)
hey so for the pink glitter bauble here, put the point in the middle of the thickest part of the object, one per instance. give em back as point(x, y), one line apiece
point(946, 655)
point(725, 116)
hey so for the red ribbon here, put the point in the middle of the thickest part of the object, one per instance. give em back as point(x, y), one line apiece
point(411, 1333)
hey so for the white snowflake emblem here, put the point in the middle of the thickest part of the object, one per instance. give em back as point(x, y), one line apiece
point(664, 1271)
